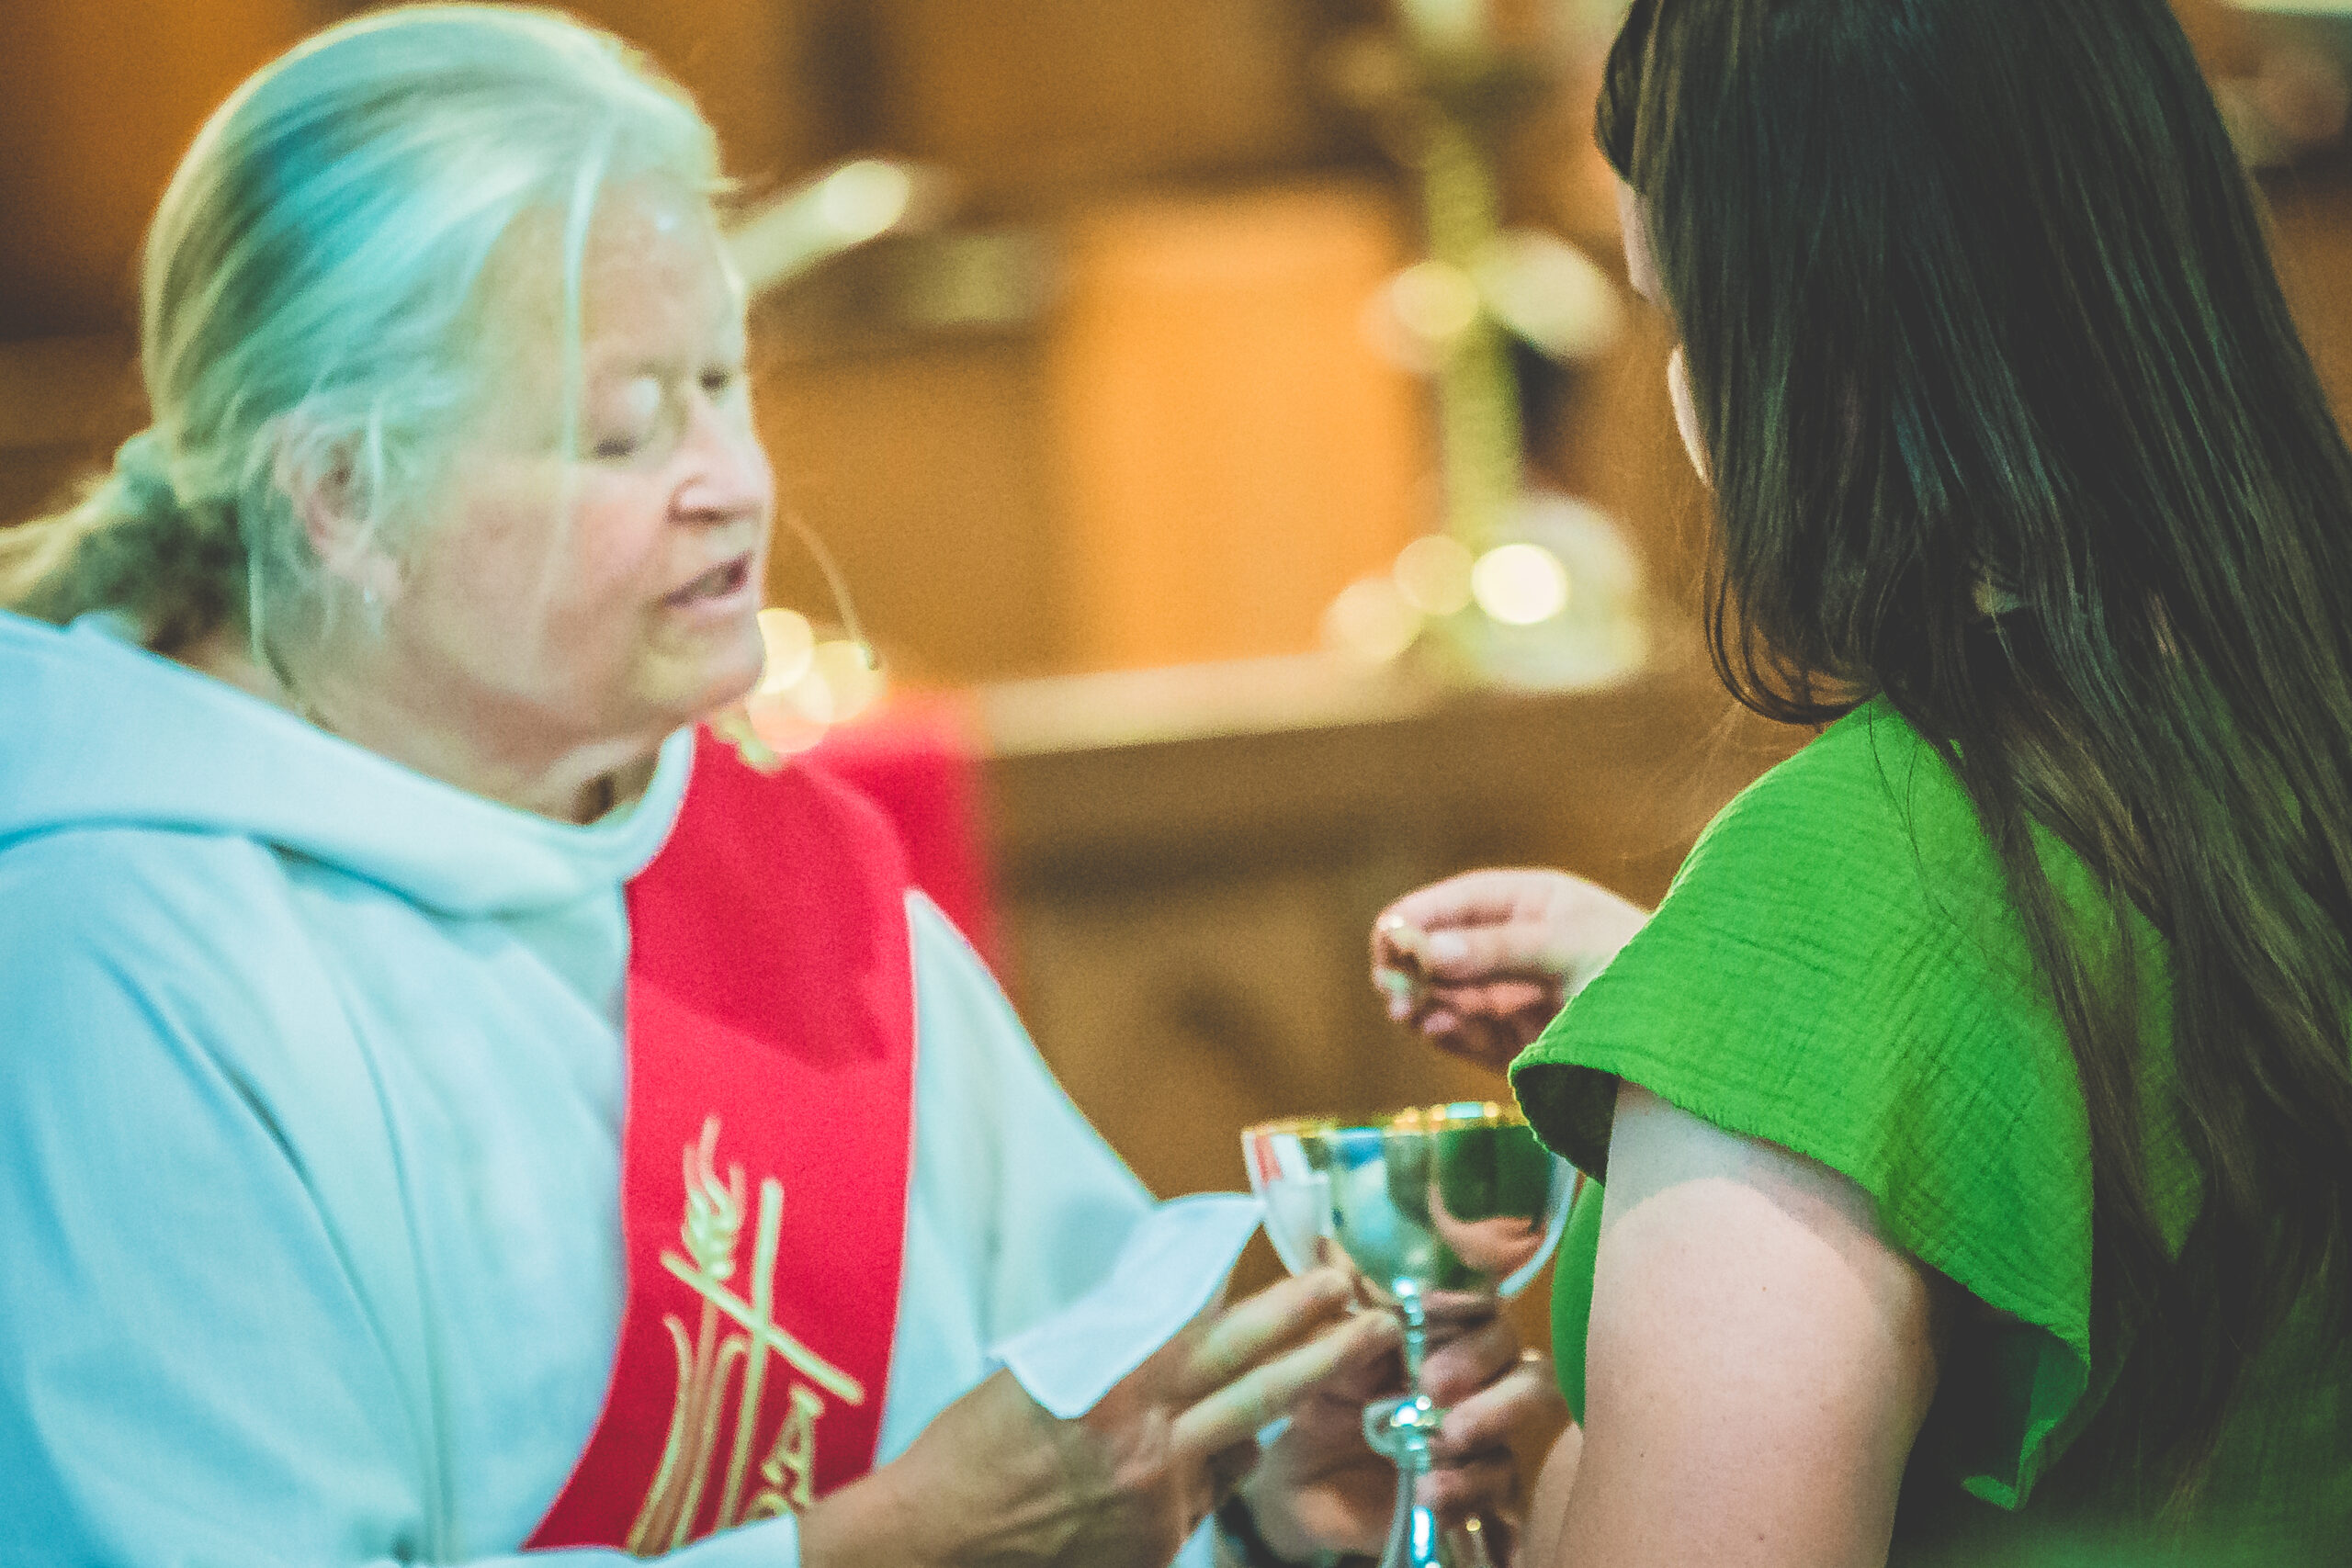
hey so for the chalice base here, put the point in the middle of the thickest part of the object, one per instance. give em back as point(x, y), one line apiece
point(1401, 1431)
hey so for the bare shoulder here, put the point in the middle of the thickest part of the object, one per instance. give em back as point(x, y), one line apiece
point(1655, 1148)
point(1760, 1359)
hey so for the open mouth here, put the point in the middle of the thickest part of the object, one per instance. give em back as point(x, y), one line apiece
point(717, 584)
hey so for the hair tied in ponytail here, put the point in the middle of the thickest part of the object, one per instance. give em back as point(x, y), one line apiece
point(144, 476)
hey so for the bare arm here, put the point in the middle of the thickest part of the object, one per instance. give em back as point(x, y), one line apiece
point(1758, 1366)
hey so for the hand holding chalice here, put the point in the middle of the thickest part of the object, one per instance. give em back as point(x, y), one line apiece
point(1446, 1201)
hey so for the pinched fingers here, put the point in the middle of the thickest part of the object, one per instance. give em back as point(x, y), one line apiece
point(1472, 898)
point(1423, 937)
point(1491, 1040)
point(1238, 1408)
point(1533, 951)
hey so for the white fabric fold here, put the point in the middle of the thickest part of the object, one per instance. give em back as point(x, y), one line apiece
point(101, 733)
point(1173, 1264)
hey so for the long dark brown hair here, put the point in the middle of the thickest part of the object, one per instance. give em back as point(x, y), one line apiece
point(1979, 314)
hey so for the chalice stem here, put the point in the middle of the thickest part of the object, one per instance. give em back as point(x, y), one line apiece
point(1414, 1539)
point(1401, 1430)
point(1415, 1536)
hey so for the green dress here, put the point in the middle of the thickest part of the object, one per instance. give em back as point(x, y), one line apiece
point(1838, 969)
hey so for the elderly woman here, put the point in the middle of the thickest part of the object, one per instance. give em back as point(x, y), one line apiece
point(404, 1155)
point(1976, 1111)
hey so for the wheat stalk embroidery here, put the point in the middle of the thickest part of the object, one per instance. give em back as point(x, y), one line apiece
point(707, 1364)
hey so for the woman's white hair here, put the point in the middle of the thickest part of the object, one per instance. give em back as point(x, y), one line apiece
point(310, 303)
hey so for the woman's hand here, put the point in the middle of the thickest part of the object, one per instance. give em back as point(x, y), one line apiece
point(997, 1479)
point(1480, 962)
point(1321, 1488)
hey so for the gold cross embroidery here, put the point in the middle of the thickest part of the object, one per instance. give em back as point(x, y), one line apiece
point(713, 1220)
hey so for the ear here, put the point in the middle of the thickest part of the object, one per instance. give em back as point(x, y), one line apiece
point(1641, 260)
point(320, 476)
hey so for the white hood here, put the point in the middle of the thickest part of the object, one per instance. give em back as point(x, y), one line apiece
point(96, 732)
point(310, 1186)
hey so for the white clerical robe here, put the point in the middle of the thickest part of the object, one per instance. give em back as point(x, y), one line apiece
point(311, 1092)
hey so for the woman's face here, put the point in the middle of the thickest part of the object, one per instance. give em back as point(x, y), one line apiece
point(1641, 271)
point(564, 599)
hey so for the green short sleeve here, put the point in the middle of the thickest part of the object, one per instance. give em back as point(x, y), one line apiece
point(1838, 969)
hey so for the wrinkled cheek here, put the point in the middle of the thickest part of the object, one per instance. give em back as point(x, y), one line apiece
point(593, 650)
point(524, 629)
point(563, 605)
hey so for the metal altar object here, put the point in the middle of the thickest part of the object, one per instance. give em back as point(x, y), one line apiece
point(783, 239)
point(1445, 86)
point(1441, 85)
point(1432, 1205)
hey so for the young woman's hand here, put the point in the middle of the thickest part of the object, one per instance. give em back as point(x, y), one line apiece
point(998, 1480)
point(1321, 1488)
point(1480, 962)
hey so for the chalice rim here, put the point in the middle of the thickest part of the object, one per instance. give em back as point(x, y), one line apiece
point(1459, 1116)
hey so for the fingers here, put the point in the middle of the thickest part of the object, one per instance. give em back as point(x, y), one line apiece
point(1464, 1018)
point(1506, 1000)
point(1476, 1473)
point(1265, 1325)
point(1375, 1370)
point(1537, 926)
point(1399, 944)
point(1239, 1408)
point(1488, 1419)
point(1529, 947)
point(1228, 1467)
point(1475, 898)
point(1462, 1361)
point(1492, 1044)
point(1486, 998)
point(1485, 1482)
point(1402, 954)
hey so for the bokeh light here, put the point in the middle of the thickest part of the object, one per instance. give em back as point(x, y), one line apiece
point(790, 642)
point(861, 200)
point(1550, 293)
point(1435, 301)
point(1371, 620)
point(851, 682)
point(1520, 584)
point(1433, 574)
point(808, 686)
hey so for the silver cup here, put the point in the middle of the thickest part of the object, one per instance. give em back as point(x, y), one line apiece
point(1446, 1201)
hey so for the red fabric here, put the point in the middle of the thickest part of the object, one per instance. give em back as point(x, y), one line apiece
point(771, 1031)
point(918, 761)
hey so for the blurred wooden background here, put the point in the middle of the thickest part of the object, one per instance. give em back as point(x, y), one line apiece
point(1164, 438)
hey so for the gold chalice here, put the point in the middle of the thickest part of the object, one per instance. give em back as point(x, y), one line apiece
point(1441, 1201)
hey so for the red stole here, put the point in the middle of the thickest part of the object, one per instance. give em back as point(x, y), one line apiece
point(764, 1163)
